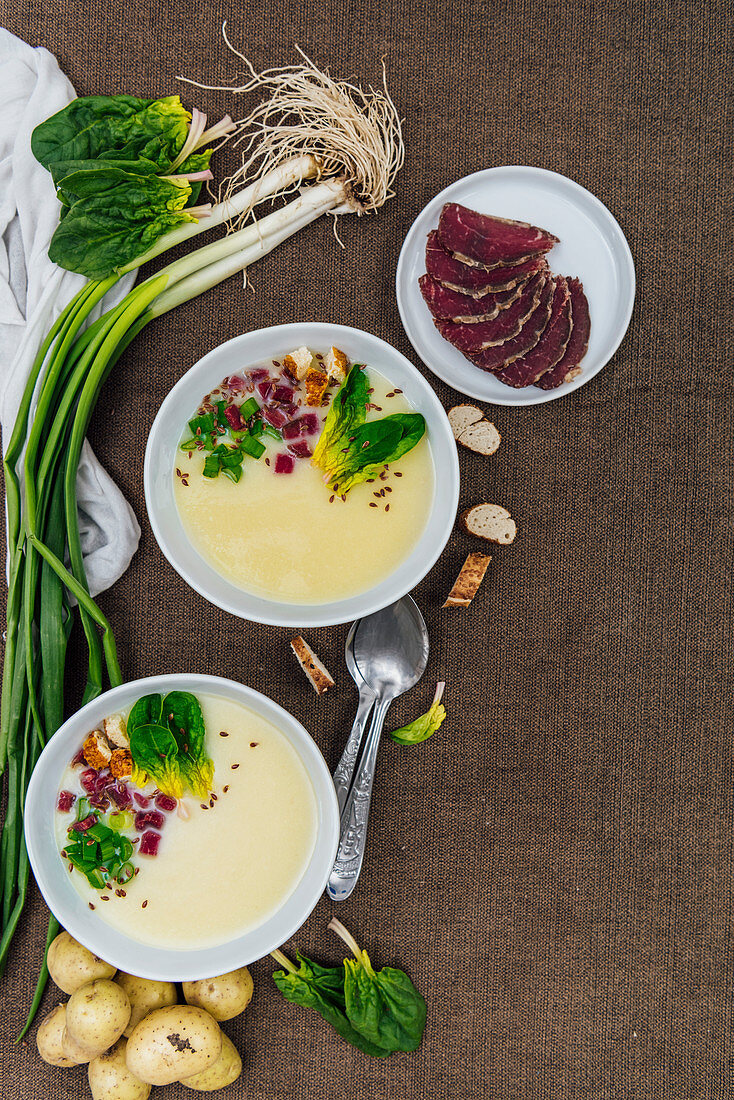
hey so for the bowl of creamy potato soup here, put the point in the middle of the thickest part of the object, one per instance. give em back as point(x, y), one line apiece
point(181, 826)
point(302, 475)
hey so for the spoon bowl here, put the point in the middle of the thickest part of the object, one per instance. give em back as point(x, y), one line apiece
point(391, 648)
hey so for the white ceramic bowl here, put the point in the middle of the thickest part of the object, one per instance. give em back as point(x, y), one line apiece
point(591, 246)
point(274, 343)
point(112, 945)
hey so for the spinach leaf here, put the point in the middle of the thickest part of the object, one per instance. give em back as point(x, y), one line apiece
point(322, 989)
point(384, 1005)
point(168, 744)
point(146, 712)
point(348, 410)
point(155, 752)
point(113, 216)
point(114, 127)
point(351, 448)
point(186, 722)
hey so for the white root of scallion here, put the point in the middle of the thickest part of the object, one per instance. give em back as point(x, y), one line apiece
point(283, 178)
point(353, 133)
point(261, 238)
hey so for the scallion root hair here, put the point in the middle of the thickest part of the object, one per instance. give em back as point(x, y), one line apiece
point(353, 133)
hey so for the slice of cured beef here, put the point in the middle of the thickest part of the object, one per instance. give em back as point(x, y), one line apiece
point(449, 305)
point(568, 367)
point(489, 241)
point(496, 357)
point(550, 348)
point(458, 276)
point(472, 339)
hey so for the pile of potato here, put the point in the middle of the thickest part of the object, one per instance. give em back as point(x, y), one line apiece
point(132, 1032)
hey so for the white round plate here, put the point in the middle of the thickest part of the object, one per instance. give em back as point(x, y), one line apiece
point(592, 247)
point(274, 343)
point(112, 945)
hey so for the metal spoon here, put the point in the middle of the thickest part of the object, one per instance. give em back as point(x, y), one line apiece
point(391, 654)
point(345, 768)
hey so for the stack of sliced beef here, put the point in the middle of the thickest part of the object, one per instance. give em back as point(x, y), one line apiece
point(493, 296)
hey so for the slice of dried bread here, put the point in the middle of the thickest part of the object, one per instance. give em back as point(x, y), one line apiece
point(472, 430)
point(467, 583)
point(320, 679)
point(490, 522)
point(462, 417)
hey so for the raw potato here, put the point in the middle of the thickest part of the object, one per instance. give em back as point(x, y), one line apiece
point(225, 1070)
point(223, 997)
point(71, 1050)
point(110, 1079)
point(144, 995)
point(71, 966)
point(490, 522)
point(171, 1043)
point(49, 1036)
point(96, 1015)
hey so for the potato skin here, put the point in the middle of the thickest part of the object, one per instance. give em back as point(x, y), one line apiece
point(144, 995)
point(71, 1050)
point(97, 1014)
point(223, 997)
point(110, 1079)
point(49, 1036)
point(225, 1070)
point(171, 1043)
point(71, 966)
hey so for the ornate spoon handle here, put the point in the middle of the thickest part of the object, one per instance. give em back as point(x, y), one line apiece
point(355, 815)
point(344, 770)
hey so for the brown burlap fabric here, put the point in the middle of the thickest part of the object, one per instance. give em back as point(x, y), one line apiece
point(554, 867)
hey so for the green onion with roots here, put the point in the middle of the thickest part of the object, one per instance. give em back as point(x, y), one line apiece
point(339, 149)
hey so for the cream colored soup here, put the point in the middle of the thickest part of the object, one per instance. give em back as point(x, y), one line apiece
point(226, 869)
point(279, 536)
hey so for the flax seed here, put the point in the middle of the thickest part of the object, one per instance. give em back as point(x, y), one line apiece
point(144, 904)
point(372, 504)
point(223, 733)
point(225, 788)
point(204, 805)
point(90, 905)
point(387, 507)
point(398, 474)
point(254, 744)
point(104, 897)
point(235, 766)
point(397, 390)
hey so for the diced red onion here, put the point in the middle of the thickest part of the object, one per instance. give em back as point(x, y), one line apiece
point(149, 844)
point(284, 464)
point(265, 389)
point(310, 424)
point(165, 802)
point(141, 800)
point(99, 801)
point(66, 801)
point(236, 383)
point(292, 430)
point(291, 409)
point(258, 374)
point(87, 823)
point(79, 758)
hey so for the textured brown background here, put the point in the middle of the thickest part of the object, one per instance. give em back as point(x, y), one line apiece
point(554, 868)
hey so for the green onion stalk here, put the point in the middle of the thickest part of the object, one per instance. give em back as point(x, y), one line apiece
point(44, 547)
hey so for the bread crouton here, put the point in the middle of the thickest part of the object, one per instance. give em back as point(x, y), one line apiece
point(121, 763)
point(317, 382)
point(299, 362)
point(116, 731)
point(473, 430)
point(96, 750)
point(336, 365)
point(490, 522)
point(320, 679)
point(467, 583)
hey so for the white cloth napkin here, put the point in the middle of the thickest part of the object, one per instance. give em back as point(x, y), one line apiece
point(34, 291)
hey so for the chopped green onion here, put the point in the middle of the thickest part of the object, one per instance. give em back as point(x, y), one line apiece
point(212, 466)
point(234, 473)
point(252, 447)
point(125, 873)
point(257, 428)
point(271, 431)
point(249, 408)
point(191, 444)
